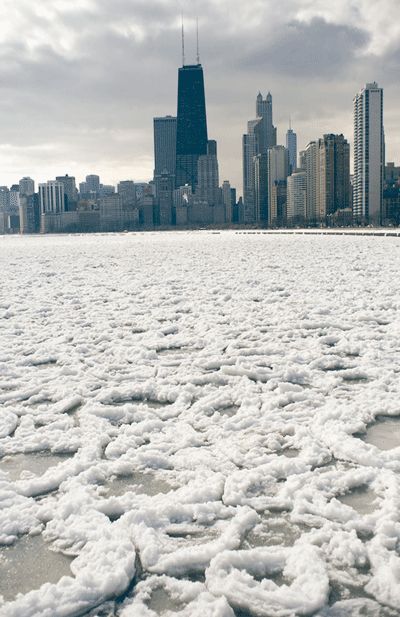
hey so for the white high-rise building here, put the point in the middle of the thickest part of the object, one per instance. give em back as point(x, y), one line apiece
point(369, 154)
point(51, 197)
point(296, 196)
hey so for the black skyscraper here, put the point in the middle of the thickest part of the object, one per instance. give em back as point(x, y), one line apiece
point(191, 138)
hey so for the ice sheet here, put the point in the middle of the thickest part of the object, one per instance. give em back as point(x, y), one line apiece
point(209, 408)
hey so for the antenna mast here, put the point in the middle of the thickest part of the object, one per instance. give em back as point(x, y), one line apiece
point(197, 38)
point(183, 42)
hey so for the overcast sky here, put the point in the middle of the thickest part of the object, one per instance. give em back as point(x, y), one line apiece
point(82, 79)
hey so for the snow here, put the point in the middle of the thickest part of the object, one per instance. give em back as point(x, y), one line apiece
point(201, 424)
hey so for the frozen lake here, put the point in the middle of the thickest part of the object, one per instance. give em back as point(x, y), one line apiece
point(199, 424)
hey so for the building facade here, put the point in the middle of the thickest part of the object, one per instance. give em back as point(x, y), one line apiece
point(261, 188)
point(191, 124)
point(70, 192)
point(4, 208)
point(278, 171)
point(29, 214)
point(291, 145)
point(334, 175)
point(51, 197)
point(250, 149)
point(311, 165)
point(296, 197)
point(164, 145)
point(208, 175)
point(26, 186)
point(93, 184)
point(267, 130)
point(369, 155)
point(227, 197)
point(111, 213)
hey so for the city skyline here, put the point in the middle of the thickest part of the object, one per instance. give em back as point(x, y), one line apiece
point(186, 190)
point(64, 130)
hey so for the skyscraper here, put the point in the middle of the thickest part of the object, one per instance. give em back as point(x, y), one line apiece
point(191, 127)
point(251, 148)
point(302, 159)
point(165, 191)
point(261, 187)
point(227, 199)
point(164, 146)
point(278, 170)
point(369, 154)
point(334, 174)
point(208, 176)
point(311, 162)
point(268, 131)
point(70, 192)
point(260, 137)
point(14, 200)
point(296, 197)
point(291, 145)
point(164, 168)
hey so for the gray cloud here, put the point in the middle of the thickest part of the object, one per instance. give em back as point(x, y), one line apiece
point(81, 84)
point(313, 50)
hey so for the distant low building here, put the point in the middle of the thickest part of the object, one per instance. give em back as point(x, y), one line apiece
point(29, 214)
point(26, 186)
point(165, 190)
point(392, 174)
point(111, 213)
point(146, 211)
point(391, 205)
point(88, 216)
point(51, 197)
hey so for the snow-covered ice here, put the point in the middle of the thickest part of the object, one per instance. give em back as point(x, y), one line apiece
point(199, 424)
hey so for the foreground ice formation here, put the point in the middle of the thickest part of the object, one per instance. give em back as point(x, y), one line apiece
point(200, 425)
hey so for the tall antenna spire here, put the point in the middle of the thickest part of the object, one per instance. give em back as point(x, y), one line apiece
point(197, 39)
point(183, 42)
